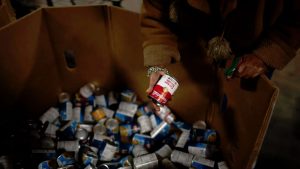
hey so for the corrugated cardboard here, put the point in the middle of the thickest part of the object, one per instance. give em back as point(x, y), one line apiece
point(106, 44)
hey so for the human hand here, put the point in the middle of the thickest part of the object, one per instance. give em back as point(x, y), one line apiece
point(251, 66)
point(153, 78)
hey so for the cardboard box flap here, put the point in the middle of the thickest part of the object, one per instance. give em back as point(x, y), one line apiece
point(243, 119)
point(28, 69)
point(81, 35)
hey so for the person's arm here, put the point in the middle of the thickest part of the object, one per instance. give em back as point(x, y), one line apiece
point(280, 43)
point(160, 44)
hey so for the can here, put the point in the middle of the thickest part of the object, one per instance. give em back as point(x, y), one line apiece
point(161, 131)
point(77, 115)
point(182, 158)
point(67, 167)
point(100, 100)
point(108, 112)
point(112, 100)
point(165, 114)
point(145, 124)
point(200, 124)
point(128, 96)
point(148, 161)
point(126, 131)
point(139, 150)
point(87, 127)
point(72, 146)
point(222, 165)
point(65, 106)
point(81, 134)
point(202, 150)
point(204, 135)
point(51, 130)
point(166, 163)
point(113, 165)
point(98, 114)
point(183, 139)
point(142, 139)
point(155, 120)
point(126, 161)
point(100, 140)
point(90, 167)
point(112, 126)
point(146, 109)
point(99, 129)
point(128, 106)
point(183, 126)
point(164, 89)
point(108, 152)
point(49, 164)
point(202, 163)
point(65, 159)
point(87, 90)
point(89, 159)
point(63, 97)
point(125, 148)
point(124, 115)
point(164, 152)
point(127, 167)
point(50, 115)
point(88, 118)
point(68, 130)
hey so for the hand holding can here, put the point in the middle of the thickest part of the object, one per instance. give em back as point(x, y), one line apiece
point(163, 90)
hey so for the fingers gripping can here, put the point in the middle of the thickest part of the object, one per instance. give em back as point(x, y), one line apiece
point(164, 89)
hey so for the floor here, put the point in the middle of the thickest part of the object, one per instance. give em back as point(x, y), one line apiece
point(281, 147)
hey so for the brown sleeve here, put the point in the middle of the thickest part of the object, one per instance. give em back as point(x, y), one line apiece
point(160, 44)
point(283, 40)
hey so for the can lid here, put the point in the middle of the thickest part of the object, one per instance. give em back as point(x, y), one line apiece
point(111, 123)
point(81, 134)
point(63, 97)
point(87, 90)
point(99, 128)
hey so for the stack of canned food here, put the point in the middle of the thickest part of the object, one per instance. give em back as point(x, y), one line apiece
point(110, 130)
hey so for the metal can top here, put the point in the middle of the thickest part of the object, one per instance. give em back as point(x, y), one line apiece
point(81, 134)
point(111, 123)
point(63, 97)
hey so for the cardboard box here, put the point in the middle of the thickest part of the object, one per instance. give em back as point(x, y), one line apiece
point(7, 13)
point(104, 45)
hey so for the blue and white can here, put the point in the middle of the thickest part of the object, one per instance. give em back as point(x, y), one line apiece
point(65, 159)
point(202, 163)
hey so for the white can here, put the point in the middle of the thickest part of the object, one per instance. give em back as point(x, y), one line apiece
point(164, 152)
point(148, 161)
point(183, 139)
point(108, 152)
point(145, 124)
point(87, 90)
point(88, 114)
point(50, 115)
point(182, 158)
point(205, 163)
point(139, 150)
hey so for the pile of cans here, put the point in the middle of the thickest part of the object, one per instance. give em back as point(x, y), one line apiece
point(110, 130)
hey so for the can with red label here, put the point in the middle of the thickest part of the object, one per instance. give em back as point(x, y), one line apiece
point(164, 89)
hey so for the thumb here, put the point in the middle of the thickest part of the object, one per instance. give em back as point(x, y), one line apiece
point(150, 88)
